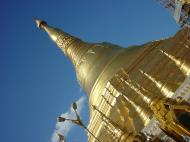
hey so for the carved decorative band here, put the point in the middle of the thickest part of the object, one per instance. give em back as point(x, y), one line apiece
point(64, 40)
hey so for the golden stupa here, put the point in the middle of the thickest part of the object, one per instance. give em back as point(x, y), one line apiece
point(138, 93)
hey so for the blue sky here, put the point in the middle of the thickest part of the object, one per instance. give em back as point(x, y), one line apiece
point(37, 82)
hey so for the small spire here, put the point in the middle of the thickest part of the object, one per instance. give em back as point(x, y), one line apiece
point(39, 23)
point(137, 89)
point(142, 113)
point(161, 86)
point(181, 64)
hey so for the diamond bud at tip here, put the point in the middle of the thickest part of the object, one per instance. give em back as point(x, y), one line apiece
point(39, 23)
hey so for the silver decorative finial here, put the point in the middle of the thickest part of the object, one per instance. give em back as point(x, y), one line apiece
point(39, 22)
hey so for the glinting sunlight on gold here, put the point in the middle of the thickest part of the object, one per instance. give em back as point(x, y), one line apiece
point(181, 64)
point(122, 95)
point(166, 92)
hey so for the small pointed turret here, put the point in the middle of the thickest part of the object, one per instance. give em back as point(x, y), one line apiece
point(163, 88)
point(182, 64)
point(142, 113)
point(136, 89)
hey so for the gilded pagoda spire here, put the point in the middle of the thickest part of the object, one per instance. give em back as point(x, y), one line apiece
point(129, 88)
point(88, 59)
point(62, 39)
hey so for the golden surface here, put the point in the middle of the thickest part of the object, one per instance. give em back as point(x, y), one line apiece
point(123, 83)
point(185, 1)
